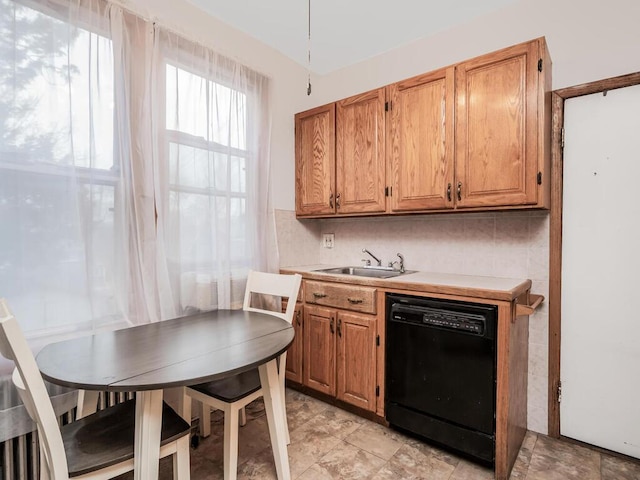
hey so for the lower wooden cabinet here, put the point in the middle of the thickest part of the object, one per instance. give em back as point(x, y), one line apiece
point(293, 369)
point(319, 369)
point(340, 355)
point(356, 367)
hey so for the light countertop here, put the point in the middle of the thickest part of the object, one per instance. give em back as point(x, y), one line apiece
point(494, 288)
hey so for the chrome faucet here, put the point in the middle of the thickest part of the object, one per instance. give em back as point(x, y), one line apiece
point(400, 263)
point(364, 250)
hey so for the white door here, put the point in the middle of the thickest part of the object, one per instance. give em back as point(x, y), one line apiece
point(600, 345)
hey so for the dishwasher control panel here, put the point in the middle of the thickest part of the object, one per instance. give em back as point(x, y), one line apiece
point(454, 320)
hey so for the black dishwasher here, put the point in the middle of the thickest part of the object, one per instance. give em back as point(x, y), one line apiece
point(441, 372)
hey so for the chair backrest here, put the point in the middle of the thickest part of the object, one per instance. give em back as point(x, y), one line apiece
point(33, 392)
point(277, 285)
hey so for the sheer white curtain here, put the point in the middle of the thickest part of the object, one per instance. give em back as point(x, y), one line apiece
point(212, 175)
point(134, 169)
point(61, 172)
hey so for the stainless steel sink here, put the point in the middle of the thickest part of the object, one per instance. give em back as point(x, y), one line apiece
point(374, 272)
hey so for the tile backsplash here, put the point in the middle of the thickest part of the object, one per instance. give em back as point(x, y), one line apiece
point(501, 244)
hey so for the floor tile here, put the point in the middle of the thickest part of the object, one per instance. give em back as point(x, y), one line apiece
point(336, 422)
point(308, 445)
point(344, 462)
point(471, 471)
point(414, 463)
point(301, 408)
point(560, 460)
point(376, 439)
point(616, 468)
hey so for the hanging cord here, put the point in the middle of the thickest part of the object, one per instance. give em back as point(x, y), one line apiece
point(309, 48)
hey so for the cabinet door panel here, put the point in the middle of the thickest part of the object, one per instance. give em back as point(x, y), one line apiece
point(497, 128)
point(293, 370)
point(422, 141)
point(320, 349)
point(315, 161)
point(360, 153)
point(356, 360)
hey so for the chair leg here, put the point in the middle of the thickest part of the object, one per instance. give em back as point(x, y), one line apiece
point(205, 419)
point(243, 417)
point(284, 414)
point(181, 469)
point(230, 456)
point(184, 406)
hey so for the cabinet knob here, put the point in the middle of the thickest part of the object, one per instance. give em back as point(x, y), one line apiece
point(340, 327)
point(354, 301)
point(331, 329)
point(319, 295)
point(449, 192)
point(338, 201)
point(298, 317)
point(331, 200)
point(459, 190)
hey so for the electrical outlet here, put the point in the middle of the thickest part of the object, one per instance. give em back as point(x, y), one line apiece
point(328, 240)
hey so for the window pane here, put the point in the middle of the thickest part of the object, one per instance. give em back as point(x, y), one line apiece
point(57, 254)
point(186, 102)
point(57, 185)
point(238, 175)
point(189, 166)
point(56, 92)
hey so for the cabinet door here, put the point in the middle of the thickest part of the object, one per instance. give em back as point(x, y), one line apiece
point(356, 360)
point(421, 142)
point(497, 128)
point(293, 369)
point(360, 153)
point(319, 367)
point(315, 161)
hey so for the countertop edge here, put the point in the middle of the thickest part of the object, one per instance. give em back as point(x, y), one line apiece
point(409, 282)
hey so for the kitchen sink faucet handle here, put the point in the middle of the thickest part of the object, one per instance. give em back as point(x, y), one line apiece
point(366, 261)
point(401, 257)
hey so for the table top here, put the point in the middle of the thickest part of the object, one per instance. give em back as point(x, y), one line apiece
point(171, 353)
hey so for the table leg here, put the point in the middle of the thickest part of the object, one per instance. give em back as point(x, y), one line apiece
point(87, 403)
point(273, 402)
point(147, 436)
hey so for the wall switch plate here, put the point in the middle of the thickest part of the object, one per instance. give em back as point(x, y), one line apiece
point(328, 240)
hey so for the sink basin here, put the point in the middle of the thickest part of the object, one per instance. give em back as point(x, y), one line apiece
point(364, 272)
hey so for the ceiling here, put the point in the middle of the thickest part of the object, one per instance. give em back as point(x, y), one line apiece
point(343, 32)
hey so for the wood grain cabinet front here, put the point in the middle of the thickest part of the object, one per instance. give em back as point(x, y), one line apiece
point(340, 157)
point(471, 136)
point(503, 128)
point(293, 369)
point(315, 161)
point(339, 357)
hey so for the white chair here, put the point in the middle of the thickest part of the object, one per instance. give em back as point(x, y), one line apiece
point(232, 394)
point(98, 446)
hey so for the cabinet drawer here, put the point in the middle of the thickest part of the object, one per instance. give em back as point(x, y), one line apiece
point(347, 297)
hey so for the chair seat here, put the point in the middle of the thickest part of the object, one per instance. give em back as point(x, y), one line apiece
point(107, 437)
point(233, 388)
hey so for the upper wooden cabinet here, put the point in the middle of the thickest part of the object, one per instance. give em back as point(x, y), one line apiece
point(472, 136)
point(421, 142)
point(500, 122)
point(315, 161)
point(360, 153)
point(340, 157)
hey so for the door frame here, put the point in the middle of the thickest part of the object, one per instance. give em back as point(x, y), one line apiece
point(558, 98)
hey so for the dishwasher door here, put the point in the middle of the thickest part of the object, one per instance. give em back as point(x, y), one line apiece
point(441, 368)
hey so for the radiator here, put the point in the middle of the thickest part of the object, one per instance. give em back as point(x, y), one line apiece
point(20, 457)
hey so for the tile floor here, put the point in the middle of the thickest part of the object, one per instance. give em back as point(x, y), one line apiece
point(329, 443)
